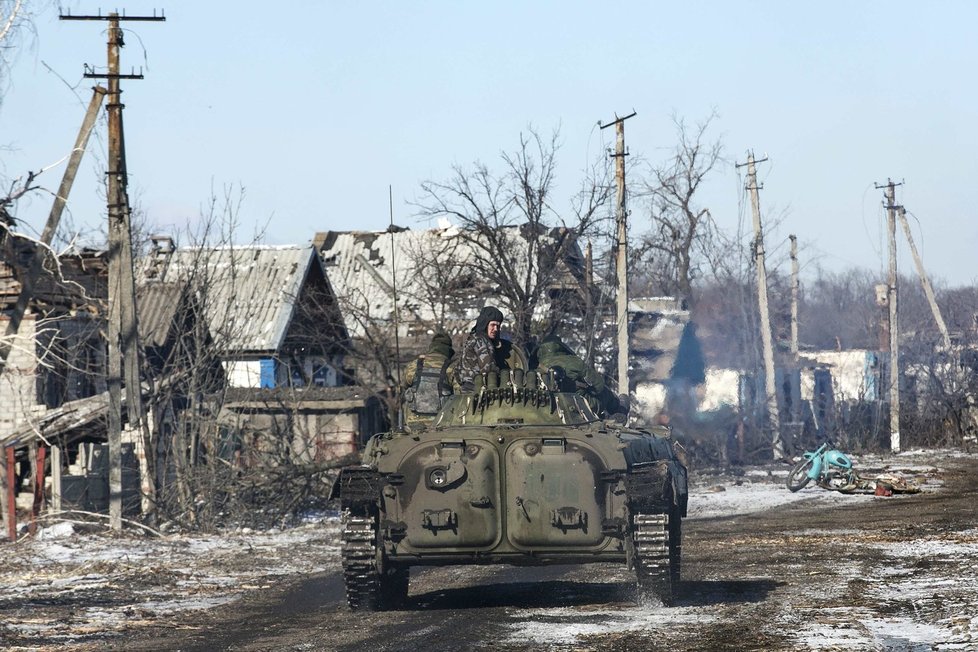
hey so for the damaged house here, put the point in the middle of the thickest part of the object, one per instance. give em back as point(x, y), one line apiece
point(251, 340)
point(440, 281)
point(52, 382)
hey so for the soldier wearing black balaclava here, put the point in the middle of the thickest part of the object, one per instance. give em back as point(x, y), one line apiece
point(482, 348)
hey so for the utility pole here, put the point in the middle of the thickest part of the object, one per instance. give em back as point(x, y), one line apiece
point(925, 281)
point(621, 252)
point(889, 195)
point(794, 294)
point(589, 302)
point(123, 346)
point(770, 384)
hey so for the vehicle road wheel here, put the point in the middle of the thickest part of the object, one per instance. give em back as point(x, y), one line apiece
point(798, 477)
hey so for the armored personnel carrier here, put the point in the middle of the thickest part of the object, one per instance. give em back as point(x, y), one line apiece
point(514, 472)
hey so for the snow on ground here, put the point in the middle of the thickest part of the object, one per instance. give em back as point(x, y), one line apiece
point(762, 488)
point(116, 581)
point(850, 628)
point(755, 494)
point(177, 572)
point(565, 626)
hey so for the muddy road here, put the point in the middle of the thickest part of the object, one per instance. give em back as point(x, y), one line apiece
point(864, 573)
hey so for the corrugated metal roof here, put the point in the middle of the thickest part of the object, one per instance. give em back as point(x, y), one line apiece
point(250, 292)
point(157, 305)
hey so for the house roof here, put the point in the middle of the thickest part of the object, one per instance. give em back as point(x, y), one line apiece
point(76, 417)
point(433, 271)
point(157, 305)
point(251, 292)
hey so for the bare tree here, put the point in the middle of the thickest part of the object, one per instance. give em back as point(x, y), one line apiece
point(16, 24)
point(441, 278)
point(683, 234)
point(509, 222)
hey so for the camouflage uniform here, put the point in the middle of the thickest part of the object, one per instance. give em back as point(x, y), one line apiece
point(479, 353)
point(426, 383)
point(554, 354)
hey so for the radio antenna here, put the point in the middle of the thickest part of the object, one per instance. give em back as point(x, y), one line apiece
point(397, 321)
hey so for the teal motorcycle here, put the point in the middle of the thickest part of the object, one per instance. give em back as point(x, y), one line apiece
point(830, 468)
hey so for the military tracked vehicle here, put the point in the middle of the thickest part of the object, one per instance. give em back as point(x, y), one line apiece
point(514, 472)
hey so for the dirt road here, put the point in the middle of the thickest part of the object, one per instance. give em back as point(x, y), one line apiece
point(894, 573)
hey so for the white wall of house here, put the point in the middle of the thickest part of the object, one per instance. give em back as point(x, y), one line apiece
point(848, 370)
point(18, 388)
point(243, 373)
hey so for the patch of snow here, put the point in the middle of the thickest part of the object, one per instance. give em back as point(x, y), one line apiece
point(173, 606)
point(149, 577)
point(931, 549)
point(566, 625)
point(748, 498)
point(56, 531)
point(905, 634)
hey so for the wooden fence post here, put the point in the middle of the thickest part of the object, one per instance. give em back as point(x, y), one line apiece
point(38, 487)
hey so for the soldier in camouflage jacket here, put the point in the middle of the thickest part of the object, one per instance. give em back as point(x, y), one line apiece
point(481, 349)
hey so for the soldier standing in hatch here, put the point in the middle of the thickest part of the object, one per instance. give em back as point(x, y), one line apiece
point(426, 382)
point(554, 354)
point(483, 349)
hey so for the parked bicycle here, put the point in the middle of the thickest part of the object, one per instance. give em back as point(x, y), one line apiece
point(830, 468)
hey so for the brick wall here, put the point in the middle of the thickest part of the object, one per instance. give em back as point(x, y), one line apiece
point(18, 388)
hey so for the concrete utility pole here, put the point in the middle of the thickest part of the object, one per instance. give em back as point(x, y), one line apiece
point(770, 384)
point(621, 252)
point(794, 294)
point(925, 281)
point(589, 301)
point(123, 345)
point(889, 195)
point(883, 300)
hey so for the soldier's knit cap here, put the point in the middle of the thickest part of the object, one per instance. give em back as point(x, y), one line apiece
point(441, 342)
point(552, 345)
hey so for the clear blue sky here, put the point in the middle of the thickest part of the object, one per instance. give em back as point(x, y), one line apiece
point(316, 107)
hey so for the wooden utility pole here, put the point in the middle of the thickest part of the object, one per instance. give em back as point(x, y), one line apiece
point(770, 384)
point(123, 345)
point(889, 195)
point(621, 252)
point(794, 294)
point(925, 281)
